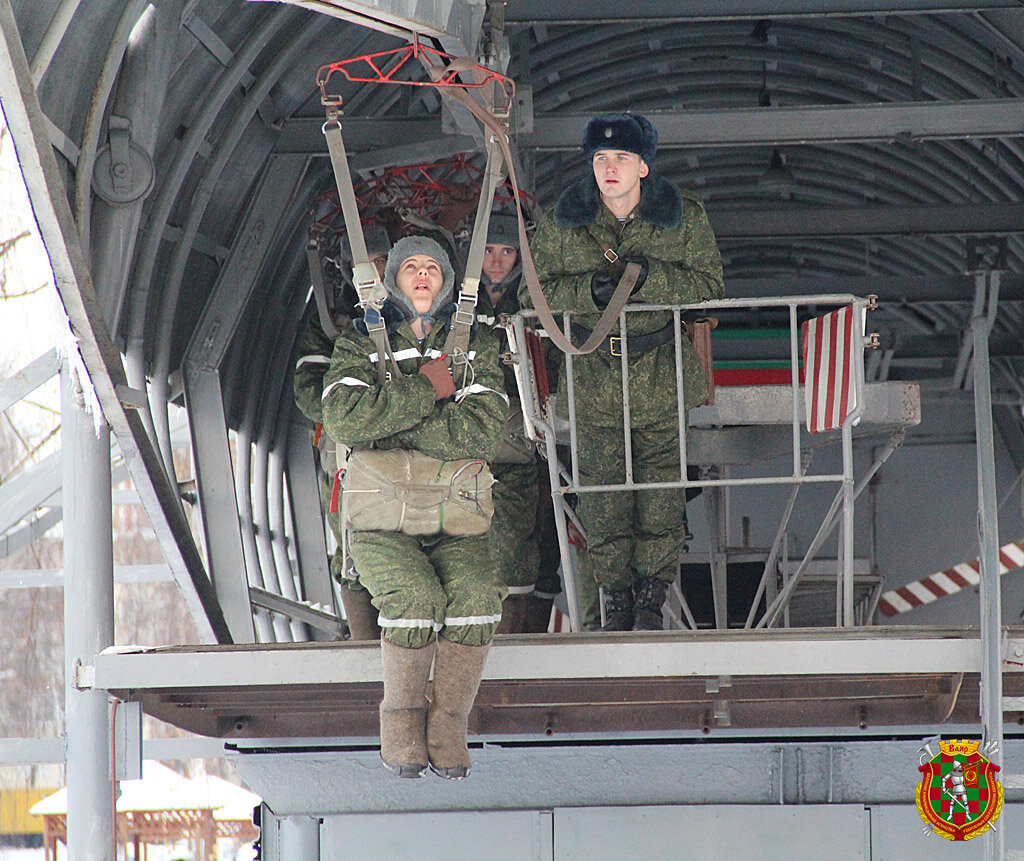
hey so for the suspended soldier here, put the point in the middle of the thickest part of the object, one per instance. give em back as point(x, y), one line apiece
point(623, 212)
point(524, 547)
point(438, 596)
point(315, 348)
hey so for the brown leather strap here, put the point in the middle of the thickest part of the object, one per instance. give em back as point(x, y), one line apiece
point(540, 303)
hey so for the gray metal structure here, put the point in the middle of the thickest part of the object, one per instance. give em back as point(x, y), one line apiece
point(172, 150)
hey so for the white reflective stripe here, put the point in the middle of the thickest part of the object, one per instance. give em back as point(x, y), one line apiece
point(452, 621)
point(486, 319)
point(436, 354)
point(401, 355)
point(312, 360)
point(898, 602)
point(520, 590)
point(476, 389)
point(408, 623)
point(344, 381)
point(545, 595)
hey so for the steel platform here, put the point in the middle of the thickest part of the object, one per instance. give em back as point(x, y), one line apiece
point(566, 685)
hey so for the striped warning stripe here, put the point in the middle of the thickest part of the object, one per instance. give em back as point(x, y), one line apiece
point(828, 344)
point(947, 582)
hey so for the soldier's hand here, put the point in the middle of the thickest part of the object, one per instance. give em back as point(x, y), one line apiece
point(440, 377)
point(645, 269)
point(602, 287)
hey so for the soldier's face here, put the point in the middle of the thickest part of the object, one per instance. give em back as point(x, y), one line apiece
point(618, 173)
point(381, 262)
point(499, 261)
point(420, 279)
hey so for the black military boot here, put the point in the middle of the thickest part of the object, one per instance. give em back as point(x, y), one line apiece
point(649, 598)
point(618, 610)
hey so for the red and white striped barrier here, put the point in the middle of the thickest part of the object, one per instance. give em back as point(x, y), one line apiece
point(947, 582)
point(828, 354)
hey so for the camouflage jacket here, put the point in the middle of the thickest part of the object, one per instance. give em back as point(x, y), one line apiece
point(315, 350)
point(671, 230)
point(487, 313)
point(402, 413)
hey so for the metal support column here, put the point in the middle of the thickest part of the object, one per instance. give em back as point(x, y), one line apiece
point(300, 837)
point(88, 622)
point(985, 304)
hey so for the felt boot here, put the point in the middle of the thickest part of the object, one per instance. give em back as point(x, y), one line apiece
point(618, 610)
point(537, 618)
point(513, 610)
point(360, 614)
point(648, 601)
point(403, 711)
point(456, 681)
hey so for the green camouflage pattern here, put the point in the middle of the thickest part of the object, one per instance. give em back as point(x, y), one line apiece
point(424, 586)
point(633, 534)
point(421, 585)
point(314, 352)
point(685, 267)
point(513, 536)
point(402, 413)
point(630, 534)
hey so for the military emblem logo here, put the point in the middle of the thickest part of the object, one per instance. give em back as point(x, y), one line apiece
point(959, 796)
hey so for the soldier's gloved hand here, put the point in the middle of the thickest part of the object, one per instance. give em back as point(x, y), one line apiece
point(602, 287)
point(440, 378)
point(645, 269)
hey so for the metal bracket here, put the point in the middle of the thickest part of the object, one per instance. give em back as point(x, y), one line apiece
point(123, 172)
point(1012, 654)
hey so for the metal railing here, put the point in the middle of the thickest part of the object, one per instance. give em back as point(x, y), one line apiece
point(549, 430)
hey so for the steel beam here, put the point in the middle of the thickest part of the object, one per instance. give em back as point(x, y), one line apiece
point(529, 12)
point(74, 284)
point(28, 379)
point(722, 127)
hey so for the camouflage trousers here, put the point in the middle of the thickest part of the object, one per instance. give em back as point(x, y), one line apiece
point(424, 585)
point(522, 538)
point(632, 534)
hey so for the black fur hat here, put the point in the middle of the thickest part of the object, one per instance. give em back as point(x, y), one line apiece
point(628, 132)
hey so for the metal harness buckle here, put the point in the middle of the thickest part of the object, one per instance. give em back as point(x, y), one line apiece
point(611, 345)
point(610, 255)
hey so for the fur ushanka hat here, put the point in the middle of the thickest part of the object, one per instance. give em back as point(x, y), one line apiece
point(405, 248)
point(628, 132)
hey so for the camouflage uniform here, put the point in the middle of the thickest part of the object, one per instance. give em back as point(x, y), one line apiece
point(421, 585)
point(635, 535)
point(315, 350)
point(513, 535)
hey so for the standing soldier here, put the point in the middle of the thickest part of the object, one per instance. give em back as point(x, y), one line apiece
point(625, 213)
point(438, 595)
point(523, 547)
point(315, 349)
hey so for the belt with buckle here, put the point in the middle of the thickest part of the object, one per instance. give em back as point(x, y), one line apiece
point(634, 343)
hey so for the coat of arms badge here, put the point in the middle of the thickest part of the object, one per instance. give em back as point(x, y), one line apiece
point(959, 796)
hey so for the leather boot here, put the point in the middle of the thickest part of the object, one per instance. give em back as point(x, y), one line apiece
point(537, 618)
point(360, 614)
point(403, 711)
point(618, 610)
point(513, 609)
point(649, 598)
point(457, 675)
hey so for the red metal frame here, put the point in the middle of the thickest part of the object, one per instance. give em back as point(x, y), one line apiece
point(443, 68)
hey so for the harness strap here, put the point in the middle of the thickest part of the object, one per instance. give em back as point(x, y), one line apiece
point(316, 274)
point(626, 283)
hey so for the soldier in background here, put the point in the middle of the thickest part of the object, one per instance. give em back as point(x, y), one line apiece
point(623, 211)
point(524, 547)
point(315, 349)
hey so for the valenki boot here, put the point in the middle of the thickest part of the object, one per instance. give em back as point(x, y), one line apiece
point(513, 610)
point(360, 614)
point(537, 618)
point(403, 711)
point(457, 673)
